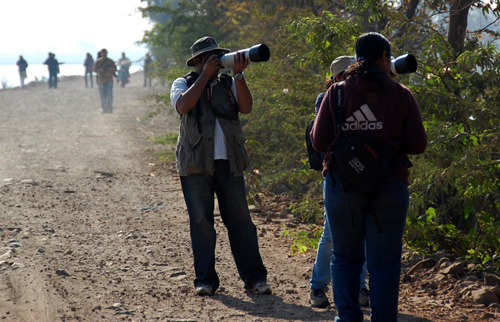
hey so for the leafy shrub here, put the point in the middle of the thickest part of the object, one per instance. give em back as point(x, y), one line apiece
point(302, 241)
point(168, 142)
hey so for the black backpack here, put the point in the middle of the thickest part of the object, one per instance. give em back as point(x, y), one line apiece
point(360, 164)
point(315, 157)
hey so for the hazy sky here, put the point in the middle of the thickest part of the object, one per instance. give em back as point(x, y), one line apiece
point(70, 29)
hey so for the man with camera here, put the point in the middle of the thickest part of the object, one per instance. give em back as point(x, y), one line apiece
point(211, 158)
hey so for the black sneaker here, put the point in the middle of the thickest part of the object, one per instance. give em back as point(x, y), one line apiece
point(261, 288)
point(204, 290)
point(318, 299)
point(364, 297)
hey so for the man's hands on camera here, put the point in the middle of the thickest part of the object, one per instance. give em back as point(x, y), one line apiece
point(240, 62)
point(211, 67)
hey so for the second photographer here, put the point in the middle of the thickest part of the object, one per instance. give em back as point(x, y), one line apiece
point(372, 109)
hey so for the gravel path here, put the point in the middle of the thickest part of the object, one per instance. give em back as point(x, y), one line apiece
point(91, 229)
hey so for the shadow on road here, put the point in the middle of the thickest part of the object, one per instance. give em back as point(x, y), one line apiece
point(273, 307)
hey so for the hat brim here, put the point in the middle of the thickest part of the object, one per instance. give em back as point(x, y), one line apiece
point(189, 62)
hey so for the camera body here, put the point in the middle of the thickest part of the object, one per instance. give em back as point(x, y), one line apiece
point(403, 64)
point(257, 53)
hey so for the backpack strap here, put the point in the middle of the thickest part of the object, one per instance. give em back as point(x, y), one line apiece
point(190, 79)
point(339, 109)
point(339, 119)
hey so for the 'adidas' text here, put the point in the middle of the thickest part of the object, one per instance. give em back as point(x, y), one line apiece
point(362, 119)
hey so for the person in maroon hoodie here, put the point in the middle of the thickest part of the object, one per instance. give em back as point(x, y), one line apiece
point(386, 112)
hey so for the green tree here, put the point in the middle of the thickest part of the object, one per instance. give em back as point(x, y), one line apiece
point(455, 187)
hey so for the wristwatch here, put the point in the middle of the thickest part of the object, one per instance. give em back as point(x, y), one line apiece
point(239, 76)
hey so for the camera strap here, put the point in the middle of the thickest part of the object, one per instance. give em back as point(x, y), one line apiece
point(232, 100)
point(227, 82)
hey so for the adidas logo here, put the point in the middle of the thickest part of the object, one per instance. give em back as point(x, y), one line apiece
point(362, 119)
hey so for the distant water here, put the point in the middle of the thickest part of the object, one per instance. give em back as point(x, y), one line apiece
point(9, 74)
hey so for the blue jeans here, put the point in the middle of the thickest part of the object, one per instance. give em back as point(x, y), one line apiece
point(52, 80)
point(106, 94)
point(379, 223)
point(230, 190)
point(88, 75)
point(321, 274)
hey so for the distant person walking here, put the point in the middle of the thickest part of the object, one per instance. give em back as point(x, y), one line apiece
point(147, 70)
point(23, 65)
point(89, 69)
point(124, 64)
point(53, 66)
point(105, 69)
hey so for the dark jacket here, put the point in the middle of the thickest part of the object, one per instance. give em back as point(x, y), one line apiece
point(385, 112)
point(89, 64)
point(23, 65)
point(53, 65)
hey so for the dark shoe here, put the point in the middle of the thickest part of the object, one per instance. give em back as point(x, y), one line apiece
point(204, 290)
point(318, 299)
point(261, 288)
point(258, 288)
point(364, 297)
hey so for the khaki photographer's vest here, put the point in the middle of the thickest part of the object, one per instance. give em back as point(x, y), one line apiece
point(195, 146)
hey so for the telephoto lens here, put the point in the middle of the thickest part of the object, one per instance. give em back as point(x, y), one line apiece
point(257, 53)
point(403, 64)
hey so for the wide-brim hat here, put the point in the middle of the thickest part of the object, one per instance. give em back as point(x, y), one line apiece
point(340, 64)
point(204, 45)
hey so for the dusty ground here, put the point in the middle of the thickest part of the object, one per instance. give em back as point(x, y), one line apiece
point(92, 228)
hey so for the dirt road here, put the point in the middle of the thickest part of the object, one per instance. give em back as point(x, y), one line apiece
point(91, 230)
